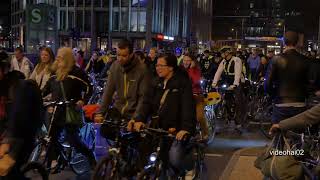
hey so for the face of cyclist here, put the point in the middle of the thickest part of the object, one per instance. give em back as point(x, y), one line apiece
point(95, 56)
point(163, 70)
point(152, 54)
point(187, 62)
point(60, 60)
point(264, 61)
point(124, 56)
point(45, 56)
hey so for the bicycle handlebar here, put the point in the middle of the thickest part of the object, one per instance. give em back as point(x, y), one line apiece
point(57, 103)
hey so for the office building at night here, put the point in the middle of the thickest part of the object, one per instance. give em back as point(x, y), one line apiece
point(91, 24)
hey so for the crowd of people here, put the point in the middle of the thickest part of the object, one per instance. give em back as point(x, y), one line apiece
point(162, 90)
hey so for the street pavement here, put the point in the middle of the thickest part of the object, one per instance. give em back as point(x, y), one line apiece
point(229, 157)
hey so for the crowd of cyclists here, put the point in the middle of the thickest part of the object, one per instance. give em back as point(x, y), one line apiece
point(166, 91)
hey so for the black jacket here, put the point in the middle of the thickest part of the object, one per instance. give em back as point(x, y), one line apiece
point(287, 79)
point(76, 82)
point(74, 85)
point(178, 110)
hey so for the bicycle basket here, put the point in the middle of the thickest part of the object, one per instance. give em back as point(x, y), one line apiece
point(212, 98)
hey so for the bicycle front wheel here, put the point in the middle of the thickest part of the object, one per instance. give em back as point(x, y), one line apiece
point(106, 170)
point(34, 170)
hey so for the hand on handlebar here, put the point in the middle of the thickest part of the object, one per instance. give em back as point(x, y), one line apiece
point(135, 126)
point(232, 87)
point(98, 118)
point(274, 128)
point(181, 135)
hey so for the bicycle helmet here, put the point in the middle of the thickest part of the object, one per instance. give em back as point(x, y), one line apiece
point(225, 49)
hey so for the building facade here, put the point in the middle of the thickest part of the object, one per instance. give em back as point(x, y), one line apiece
point(249, 23)
point(91, 24)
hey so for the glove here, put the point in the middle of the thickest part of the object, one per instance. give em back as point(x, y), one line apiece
point(214, 85)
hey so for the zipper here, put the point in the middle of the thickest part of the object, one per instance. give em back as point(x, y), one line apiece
point(125, 93)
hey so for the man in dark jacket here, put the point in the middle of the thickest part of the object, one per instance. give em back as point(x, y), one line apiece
point(131, 80)
point(287, 80)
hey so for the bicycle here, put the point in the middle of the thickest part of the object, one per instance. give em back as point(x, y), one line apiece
point(309, 144)
point(97, 85)
point(227, 106)
point(67, 155)
point(122, 153)
point(155, 167)
point(260, 108)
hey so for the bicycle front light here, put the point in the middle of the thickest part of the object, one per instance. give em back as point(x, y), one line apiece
point(201, 82)
point(224, 86)
point(153, 157)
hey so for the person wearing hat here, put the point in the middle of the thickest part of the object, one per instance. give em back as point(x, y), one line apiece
point(231, 69)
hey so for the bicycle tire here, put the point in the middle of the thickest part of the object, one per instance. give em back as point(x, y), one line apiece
point(150, 174)
point(199, 165)
point(265, 122)
point(79, 163)
point(36, 155)
point(211, 121)
point(100, 174)
point(35, 167)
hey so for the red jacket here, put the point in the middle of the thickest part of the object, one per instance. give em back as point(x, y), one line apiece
point(195, 76)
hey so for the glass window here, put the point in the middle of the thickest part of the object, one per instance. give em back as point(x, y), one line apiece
point(79, 3)
point(116, 3)
point(134, 21)
point(143, 3)
point(71, 3)
point(124, 3)
point(87, 21)
point(115, 23)
point(88, 2)
point(70, 19)
point(135, 3)
point(124, 19)
point(62, 20)
point(63, 3)
point(79, 20)
point(142, 21)
point(105, 3)
point(102, 19)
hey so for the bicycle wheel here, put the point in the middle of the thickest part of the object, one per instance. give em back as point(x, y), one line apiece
point(34, 170)
point(211, 121)
point(79, 163)
point(199, 165)
point(150, 174)
point(39, 153)
point(265, 121)
point(106, 170)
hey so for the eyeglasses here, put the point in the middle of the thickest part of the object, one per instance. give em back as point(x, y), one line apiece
point(160, 66)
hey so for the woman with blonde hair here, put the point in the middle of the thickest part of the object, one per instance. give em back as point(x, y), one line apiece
point(69, 83)
point(42, 72)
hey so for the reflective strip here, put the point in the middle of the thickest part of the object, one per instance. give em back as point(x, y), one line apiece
point(125, 93)
point(229, 66)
